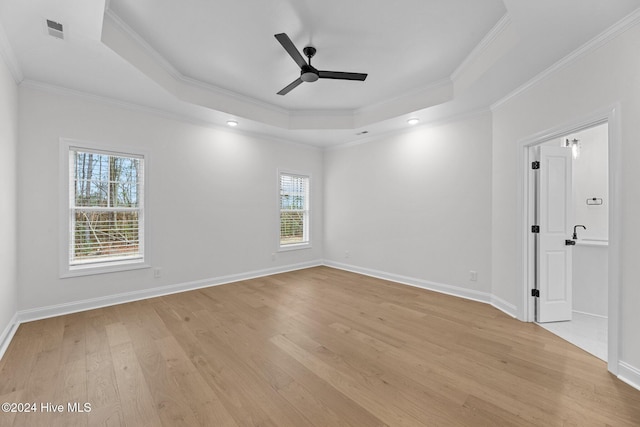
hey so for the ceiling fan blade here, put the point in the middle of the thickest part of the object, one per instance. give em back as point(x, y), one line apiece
point(291, 49)
point(291, 86)
point(342, 75)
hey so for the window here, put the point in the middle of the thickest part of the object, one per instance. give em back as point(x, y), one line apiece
point(294, 211)
point(105, 214)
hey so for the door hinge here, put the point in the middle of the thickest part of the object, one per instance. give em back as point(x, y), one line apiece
point(535, 228)
point(535, 293)
point(535, 165)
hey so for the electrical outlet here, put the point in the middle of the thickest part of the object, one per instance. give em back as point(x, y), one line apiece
point(273, 256)
point(473, 276)
point(347, 254)
point(157, 272)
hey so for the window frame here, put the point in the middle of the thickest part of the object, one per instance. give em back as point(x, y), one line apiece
point(307, 226)
point(102, 266)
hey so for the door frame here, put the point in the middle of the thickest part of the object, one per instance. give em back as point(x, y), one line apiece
point(526, 206)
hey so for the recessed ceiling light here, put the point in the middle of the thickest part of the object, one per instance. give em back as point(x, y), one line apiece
point(413, 121)
point(232, 123)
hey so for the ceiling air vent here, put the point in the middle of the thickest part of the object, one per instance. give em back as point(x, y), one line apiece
point(55, 29)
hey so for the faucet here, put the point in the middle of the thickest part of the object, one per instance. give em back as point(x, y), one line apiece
point(575, 233)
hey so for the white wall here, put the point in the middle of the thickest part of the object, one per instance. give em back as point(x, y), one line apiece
point(591, 179)
point(8, 211)
point(607, 75)
point(212, 204)
point(416, 205)
point(590, 271)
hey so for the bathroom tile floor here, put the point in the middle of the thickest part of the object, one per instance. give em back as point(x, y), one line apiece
point(585, 331)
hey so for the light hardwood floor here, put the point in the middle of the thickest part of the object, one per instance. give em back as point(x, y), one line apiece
point(316, 347)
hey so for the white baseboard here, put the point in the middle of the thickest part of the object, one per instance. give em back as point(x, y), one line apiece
point(8, 333)
point(629, 374)
point(504, 306)
point(591, 314)
point(93, 303)
point(412, 281)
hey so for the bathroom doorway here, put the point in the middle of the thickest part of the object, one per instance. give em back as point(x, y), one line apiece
point(586, 307)
point(586, 325)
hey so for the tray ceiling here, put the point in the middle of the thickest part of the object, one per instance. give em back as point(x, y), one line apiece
point(209, 61)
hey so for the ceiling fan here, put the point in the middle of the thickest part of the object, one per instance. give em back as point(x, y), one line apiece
point(309, 73)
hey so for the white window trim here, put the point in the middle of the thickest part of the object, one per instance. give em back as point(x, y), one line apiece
point(107, 266)
point(295, 246)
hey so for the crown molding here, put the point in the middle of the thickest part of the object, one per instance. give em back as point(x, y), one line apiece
point(117, 103)
point(405, 130)
point(408, 103)
point(173, 72)
point(415, 92)
point(493, 34)
point(9, 57)
point(125, 28)
point(158, 112)
point(598, 41)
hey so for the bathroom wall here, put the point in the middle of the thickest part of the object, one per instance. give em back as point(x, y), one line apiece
point(590, 271)
point(590, 255)
point(591, 179)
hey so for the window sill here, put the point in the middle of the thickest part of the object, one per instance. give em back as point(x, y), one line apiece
point(294, 247)
point(103, 268)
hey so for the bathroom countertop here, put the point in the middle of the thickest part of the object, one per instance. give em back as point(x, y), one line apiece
point(592, 242)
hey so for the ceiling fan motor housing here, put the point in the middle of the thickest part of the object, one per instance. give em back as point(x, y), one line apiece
point(309, 74)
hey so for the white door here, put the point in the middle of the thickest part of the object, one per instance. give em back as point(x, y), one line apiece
point(555, 218)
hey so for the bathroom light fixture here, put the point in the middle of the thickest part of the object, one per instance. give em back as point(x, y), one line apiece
point(232, 123)
point(574, 144)
point(413, 121)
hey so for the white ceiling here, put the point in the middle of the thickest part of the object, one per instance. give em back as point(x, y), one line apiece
point(230, 44)
point(213, 60)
